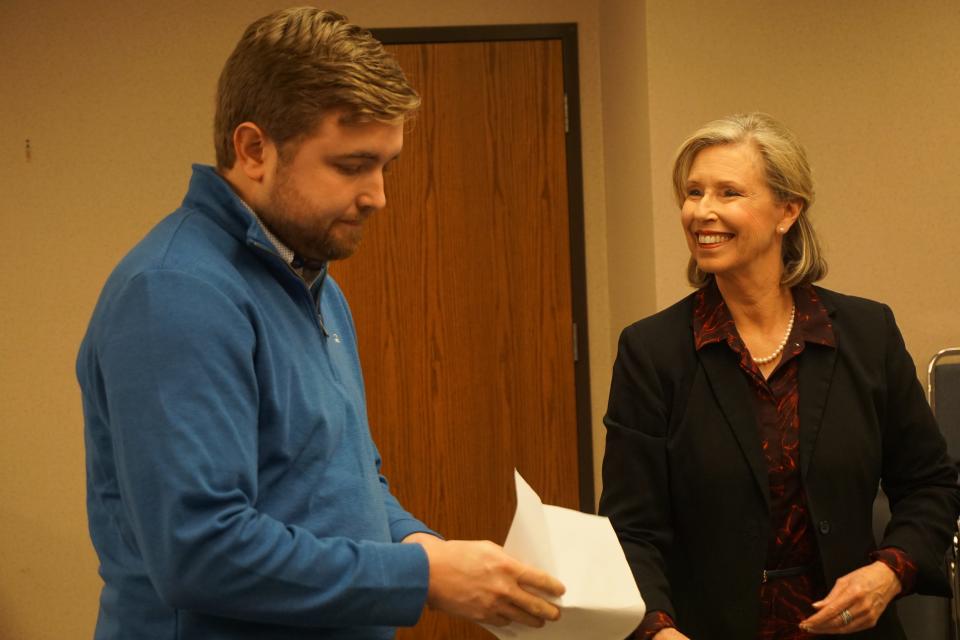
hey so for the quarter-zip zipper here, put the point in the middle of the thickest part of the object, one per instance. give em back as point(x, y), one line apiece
point(314, 304)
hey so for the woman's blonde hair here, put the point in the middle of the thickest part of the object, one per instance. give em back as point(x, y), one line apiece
point(788, 176)
point(293, 65)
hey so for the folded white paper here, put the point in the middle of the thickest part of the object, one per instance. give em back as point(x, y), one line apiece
point(582, 551)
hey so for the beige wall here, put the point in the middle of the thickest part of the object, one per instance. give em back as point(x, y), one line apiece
point(626, 153)
point(872, 90)
point(116, 100)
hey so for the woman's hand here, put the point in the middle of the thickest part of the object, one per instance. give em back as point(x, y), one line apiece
point(855, 602)
point(670, 633)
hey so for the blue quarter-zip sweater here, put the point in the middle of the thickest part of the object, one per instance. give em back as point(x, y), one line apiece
point(233, 488)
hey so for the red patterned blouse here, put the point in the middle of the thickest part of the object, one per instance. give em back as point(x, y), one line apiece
point(784, 602)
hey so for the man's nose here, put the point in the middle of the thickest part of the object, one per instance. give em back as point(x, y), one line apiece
point(373, 196)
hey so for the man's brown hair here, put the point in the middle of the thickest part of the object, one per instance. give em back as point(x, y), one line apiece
point(292, 66)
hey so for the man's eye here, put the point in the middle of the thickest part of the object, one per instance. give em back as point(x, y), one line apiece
point(349, 169)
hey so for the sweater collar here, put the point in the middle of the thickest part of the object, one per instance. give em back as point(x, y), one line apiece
point(211, 194)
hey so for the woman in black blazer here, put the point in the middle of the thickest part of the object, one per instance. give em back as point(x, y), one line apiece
point(750, 424)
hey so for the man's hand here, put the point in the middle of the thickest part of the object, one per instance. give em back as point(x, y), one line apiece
point(855, 602)
point(423, 539)
point(479, 582)
point(670, 634)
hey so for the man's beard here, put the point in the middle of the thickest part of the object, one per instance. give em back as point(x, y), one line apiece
point(288, 217)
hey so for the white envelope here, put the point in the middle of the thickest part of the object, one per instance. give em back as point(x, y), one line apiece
point(582, 551)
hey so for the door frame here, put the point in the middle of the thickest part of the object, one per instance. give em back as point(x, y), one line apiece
point(566, 33)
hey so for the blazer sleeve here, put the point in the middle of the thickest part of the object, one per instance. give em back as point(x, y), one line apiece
point(636, 485)
point(917, 474)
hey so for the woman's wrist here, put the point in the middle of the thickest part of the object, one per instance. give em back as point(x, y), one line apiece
point(653, 623)
point(902, 566)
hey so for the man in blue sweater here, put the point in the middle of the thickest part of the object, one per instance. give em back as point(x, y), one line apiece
point(234, 490)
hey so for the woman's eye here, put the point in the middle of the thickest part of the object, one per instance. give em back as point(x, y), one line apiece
point(693, 192)
point(730, 193)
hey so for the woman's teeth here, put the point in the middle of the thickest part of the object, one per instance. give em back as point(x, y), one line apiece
point(712, 238)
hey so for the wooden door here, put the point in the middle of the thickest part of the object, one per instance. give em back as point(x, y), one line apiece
point(461, 293)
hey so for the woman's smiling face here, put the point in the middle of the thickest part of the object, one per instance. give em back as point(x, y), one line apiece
point(732, 220)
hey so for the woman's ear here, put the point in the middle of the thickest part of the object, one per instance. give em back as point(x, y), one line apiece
point(790, 213)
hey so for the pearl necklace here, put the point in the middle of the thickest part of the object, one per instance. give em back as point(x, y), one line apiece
point(783, 343)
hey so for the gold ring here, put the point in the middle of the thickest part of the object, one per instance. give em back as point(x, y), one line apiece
point(846, 617)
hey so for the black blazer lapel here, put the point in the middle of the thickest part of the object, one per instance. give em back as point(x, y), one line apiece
point(732, 391)
point(817, 364)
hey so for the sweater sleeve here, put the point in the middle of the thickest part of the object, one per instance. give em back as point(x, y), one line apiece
point(175, 361)
point(402, 523)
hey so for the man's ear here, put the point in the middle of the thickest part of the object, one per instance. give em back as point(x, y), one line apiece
point(255, 153)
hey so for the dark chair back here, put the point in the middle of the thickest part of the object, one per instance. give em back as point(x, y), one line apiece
point(929, 617)
point(943, 388)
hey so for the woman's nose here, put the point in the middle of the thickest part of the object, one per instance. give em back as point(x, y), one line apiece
point(705, 208)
